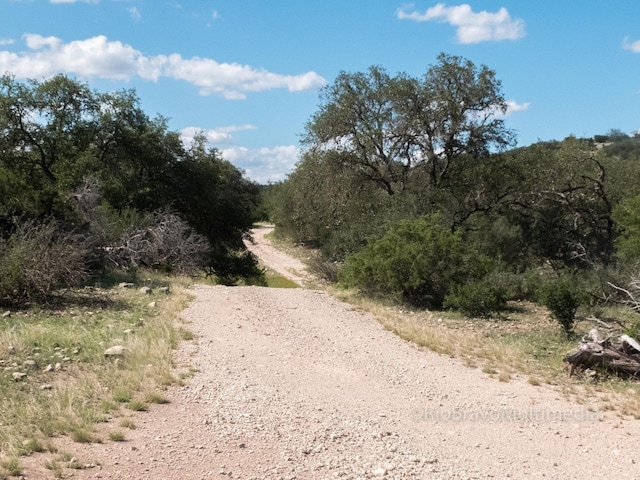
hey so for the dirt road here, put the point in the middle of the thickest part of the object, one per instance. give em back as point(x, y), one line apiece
point(293, 384)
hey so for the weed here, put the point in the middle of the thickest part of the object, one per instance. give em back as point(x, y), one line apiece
point(128, 423)
point(11, 467)
point(137, 406)
point(31, 445)
point(122, 395)
point(116, 436)
point(155, 397)
point(74, 464)
point(80, 435)
point(186, 334)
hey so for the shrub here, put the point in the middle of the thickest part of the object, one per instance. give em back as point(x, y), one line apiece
point(563, 297)
point(39, 257)
point(417, 261)
point(476, 299)
point(324, 268)
point(164, 241)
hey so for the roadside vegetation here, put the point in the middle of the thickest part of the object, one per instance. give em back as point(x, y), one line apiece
point(414, 194)
point(93, 194)
point(56, 378)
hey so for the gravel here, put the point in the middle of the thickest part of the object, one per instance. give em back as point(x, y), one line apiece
point(294, 384)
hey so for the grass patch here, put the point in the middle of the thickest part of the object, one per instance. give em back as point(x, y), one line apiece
point(275, 280)
point(10, 467)
point(116, 436)
point(31, 445)
point(186, 334)
point(138, 406)
point(70, 385)
point(128, 423)
point(81, 436)
point(122, 395)
point(157, 398)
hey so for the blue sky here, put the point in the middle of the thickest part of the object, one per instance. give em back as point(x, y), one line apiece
point(247, 72)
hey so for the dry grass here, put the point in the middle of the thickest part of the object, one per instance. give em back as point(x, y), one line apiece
point(70, 385)
point(525, 342)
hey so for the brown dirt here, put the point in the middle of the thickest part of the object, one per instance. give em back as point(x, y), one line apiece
point(294, 384)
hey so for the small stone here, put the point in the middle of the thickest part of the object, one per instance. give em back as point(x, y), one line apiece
point(145, 290)
point(46, 386)
point(48, 368)
point(152, 305)
point(11, 349)
point(58, 367)
point(17, 376)
point(29, 364)
point(126, 285)
point(115, 351)
point(164, 289)
point(6, 314)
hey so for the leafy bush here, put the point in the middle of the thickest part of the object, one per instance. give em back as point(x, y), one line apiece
point(563, 297)
point(627, 218)
point(40, 257)
point(477, 299)
point(417, 261)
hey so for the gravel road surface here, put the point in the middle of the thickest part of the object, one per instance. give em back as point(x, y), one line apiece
point(294, 384)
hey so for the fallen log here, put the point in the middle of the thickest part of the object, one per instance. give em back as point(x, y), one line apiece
point(598, 353)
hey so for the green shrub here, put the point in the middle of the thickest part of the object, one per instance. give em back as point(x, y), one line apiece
point(477, 299)
point(416, 261)
point(563, 297)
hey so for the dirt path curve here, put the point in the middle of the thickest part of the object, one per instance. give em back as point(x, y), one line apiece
point(277, 260)
point(294, 384)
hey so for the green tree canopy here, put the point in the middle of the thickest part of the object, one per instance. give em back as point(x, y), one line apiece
point(391, 126)
point(58, 133)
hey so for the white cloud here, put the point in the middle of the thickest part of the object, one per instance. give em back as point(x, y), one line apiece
point(215, 137)
point(7, 41)
point(633, 46)
point(35, 42)
point(263, 165)
point(135, 13)
point(513, 107)
point(102, 58)
point(472, 27)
